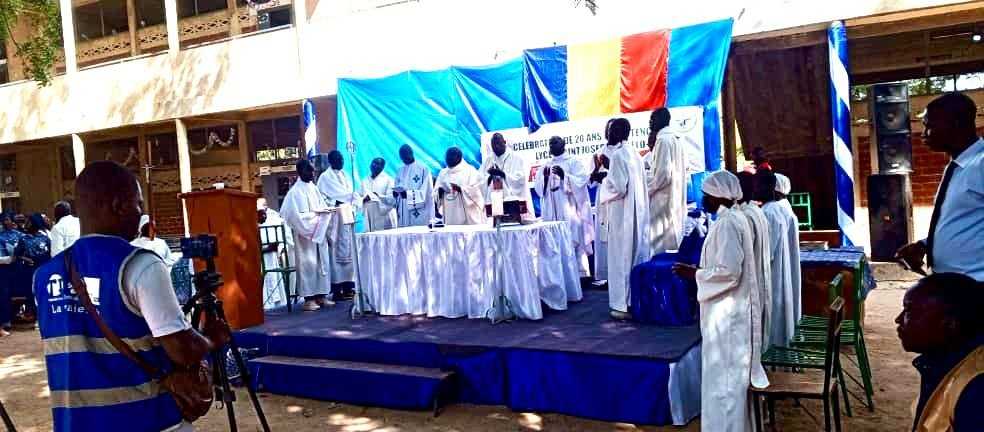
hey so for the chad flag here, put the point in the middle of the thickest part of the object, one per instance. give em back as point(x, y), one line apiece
point(630, 74)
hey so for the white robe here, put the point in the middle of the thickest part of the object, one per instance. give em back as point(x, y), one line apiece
point(795, 277)
point(762, 297)
point(273, 283)
point(300, 211)
point(468, 206)
point(515, 186)
point(568, 200)
point(158, 246)
point(725, 282)
point(380, 212)
point(623, 195)
point(418, 207)
point(784, 317)
point(335, 186)
point(666, 181)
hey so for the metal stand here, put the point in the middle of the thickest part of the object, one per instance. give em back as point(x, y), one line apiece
point(501, 310)
point(360, 304)
point(206, 306)
point(6, 419)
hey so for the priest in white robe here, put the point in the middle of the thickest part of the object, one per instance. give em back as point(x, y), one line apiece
point(726, 278)
point(274, 294)
point(307, 214)
point(378, 202)
point(784, 315)
point(600, 210)
point(783, 187)
point(335, 185)
point(460, 191)
point(666, 182)
point(623, 192)
point(761, 299)
point(508, 172)
point(413, 191)
point(562, 185)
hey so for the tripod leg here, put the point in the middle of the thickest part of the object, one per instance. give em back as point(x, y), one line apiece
point(248, 381)
point(6, 419)
point(222, 379)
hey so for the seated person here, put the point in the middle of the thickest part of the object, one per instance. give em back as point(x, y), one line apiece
point(941, 320)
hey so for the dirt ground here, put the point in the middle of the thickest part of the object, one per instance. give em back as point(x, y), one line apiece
point(23, 390)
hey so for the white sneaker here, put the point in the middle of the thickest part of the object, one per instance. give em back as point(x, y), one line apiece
point(310, 306)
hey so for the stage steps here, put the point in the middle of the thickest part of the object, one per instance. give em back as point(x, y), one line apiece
point(377, 384)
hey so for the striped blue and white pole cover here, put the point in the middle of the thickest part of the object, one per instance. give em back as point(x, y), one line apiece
point(840, 106)
point(310, 128)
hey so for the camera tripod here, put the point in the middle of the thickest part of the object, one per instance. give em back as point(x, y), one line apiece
point(6, 419)
point(205, 306)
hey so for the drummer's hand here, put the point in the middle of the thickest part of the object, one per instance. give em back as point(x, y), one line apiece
point(685, 271)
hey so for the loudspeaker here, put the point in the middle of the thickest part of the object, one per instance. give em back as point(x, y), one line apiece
point(889, 214)
point(890, 114)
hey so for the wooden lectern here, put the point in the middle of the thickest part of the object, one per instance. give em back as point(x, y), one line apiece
point(230, 215)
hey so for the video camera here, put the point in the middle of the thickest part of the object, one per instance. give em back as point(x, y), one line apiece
point(202, 246)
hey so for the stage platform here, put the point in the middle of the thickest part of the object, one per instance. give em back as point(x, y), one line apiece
point(576, 362)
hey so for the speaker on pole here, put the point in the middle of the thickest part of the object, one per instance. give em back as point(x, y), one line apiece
point(889, 214)
point(890, 111)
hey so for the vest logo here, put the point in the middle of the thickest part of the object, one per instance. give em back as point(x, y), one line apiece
point(59, 289)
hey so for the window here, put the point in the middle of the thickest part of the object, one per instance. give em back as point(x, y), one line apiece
point(190, 8)
point(4, 76)
point(150, 13)
point(100, 19)
point(275, 140)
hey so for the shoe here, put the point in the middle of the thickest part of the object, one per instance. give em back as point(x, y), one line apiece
point(324, 302)
point(310, 306)
point(619, 315)
point(4, 333)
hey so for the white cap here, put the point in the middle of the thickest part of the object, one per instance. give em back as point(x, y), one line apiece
point(783, 185)
point(261, 204)
point(722, 184)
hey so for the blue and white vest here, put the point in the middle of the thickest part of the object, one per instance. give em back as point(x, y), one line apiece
point(93, 386)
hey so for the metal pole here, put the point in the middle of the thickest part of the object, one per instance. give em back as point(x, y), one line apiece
point(501, 309)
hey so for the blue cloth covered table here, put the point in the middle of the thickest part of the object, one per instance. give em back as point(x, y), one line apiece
point(848, 258)
point(660, 297)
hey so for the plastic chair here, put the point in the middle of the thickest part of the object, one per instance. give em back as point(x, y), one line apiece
point(273, 238)
point(802, 201)
point(784, 385)
point(811, 333)
point(801, 358)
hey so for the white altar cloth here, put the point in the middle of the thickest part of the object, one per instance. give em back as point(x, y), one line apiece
point(450, 272)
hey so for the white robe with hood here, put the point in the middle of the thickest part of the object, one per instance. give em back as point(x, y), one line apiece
point(336, 186)
point(725, 281)
point(761, 298)
point(515, 187)
point(381, 215)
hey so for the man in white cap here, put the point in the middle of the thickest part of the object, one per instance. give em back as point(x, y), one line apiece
point(148, 240)
point(762, 249)
point(783, 186)
point(725, 280)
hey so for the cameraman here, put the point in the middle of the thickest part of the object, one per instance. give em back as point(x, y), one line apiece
point(93, 385)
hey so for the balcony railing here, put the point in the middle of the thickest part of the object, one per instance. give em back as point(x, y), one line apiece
point(210, 26)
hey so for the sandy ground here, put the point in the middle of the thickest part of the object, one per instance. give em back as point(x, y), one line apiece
point(23, 389)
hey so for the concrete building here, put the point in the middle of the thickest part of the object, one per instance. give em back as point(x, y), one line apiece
point(194, 92)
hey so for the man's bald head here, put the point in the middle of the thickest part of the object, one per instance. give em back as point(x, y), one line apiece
point(108, 200)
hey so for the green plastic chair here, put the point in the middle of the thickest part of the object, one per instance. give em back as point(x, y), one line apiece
point(801, 200)
point(802, 358)
point(811, 332)
point(272, 238)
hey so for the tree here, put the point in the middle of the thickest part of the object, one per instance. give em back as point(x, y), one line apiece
point(39, 49)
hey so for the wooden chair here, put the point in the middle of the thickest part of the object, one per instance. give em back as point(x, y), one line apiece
point(785, 385)
point(274, 237)
point(811, 333)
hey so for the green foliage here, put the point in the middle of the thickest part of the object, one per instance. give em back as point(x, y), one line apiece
point(40, 48)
